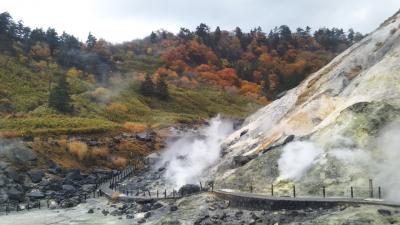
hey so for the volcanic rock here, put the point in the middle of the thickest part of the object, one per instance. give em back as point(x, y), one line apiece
point(188, 189)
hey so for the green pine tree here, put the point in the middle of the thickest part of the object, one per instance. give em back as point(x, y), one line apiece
point(147, 87)
point(162, 89)
point(59, 97)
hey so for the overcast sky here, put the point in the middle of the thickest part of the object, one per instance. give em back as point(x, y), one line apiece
point(124, 20)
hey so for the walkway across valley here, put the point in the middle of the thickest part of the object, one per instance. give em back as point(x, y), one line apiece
point(240, 199)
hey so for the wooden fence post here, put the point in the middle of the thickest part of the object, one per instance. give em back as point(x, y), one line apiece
point(371, 189)
point(294, 191)
point(352, 192)
point(272, 189)
point(379, 192)
point(323, 192)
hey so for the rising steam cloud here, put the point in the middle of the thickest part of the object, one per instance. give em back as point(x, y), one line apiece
point(387, 162)
point(297, 158)
point(379, 161)
point(188, 157)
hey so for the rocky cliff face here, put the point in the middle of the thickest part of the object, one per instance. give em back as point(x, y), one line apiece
point(336, 129)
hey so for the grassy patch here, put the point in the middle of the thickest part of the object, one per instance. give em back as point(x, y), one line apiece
point(184, 105)
point(24, 89)
point(53, 125)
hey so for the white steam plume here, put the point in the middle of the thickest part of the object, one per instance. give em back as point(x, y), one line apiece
point(297, 158)
point(388, 174)
point(380, 162)
point(187, 158)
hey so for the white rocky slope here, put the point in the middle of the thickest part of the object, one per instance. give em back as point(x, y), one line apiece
point(339, 117)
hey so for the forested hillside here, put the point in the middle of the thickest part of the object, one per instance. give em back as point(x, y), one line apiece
point(55, 82)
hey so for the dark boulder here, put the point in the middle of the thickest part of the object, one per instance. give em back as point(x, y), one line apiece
point(116, 213)
point(91, 179)
point(243, 132)
point(14, 175)
point(288, 139)
point(36, 175)
point(4, 165)
point(146, 207)
point(88, 187)
point(3, 180)
point(149, 136)
point(93, 143)
point(36, 194)
point(242, 160)
point(173, 208)
point(384, 212)
point(147, 215)
point(74, 174)
point(51, 194)
point(143, 136)
point(105, 212)
point(67, 203)
point(54, 185)
point(68, 188)
point(55, 169)
point(156, 205)
point(188, 189)
point(24, 155)
point(14, 194)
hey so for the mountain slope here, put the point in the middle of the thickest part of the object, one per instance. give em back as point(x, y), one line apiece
point(342, 118)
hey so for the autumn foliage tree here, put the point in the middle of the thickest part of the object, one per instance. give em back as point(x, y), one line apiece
point(258, 63)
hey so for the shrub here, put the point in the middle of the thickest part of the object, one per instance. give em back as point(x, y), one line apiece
point(136, 127)
point(99, 152)
point(9, 134)
point(119, 161)
point(78, 149)
point(101, 94)
point(116, 111)
point(62, 143)
point(135, 147)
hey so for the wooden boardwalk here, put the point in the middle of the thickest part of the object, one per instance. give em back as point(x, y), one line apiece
point(261, 201)
point(109, 188)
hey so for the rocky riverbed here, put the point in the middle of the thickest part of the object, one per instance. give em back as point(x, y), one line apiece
point(42, 168)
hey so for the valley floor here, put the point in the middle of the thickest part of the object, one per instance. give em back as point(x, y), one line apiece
point(202, 209)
